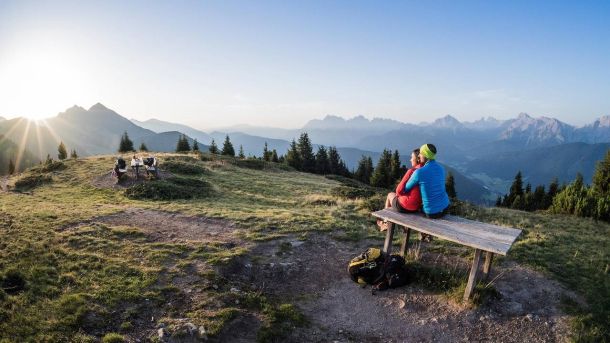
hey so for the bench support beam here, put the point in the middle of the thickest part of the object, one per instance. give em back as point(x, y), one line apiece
point(404, 246)
point(474, 275)
point(389, 236)
point(489, 256)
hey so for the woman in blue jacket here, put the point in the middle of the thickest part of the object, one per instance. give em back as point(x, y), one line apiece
point(431, 181)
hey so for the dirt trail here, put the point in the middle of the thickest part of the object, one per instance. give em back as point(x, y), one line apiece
point(311, 274)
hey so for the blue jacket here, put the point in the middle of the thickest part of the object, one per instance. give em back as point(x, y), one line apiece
point(431, 180)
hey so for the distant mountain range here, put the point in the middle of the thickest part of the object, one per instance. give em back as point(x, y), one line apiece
point(483, 155)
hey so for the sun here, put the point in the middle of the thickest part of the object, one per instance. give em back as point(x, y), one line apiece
point(39, 83)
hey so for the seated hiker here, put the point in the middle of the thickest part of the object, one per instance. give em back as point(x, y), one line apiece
point(431, 181)
point(135, 165)
point(402, 200)
point(120, 167)
point(151, 165)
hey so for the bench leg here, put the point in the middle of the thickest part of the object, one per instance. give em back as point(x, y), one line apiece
point(487, 266)
point(387, 246)
point(404, 246)
point(474, 274)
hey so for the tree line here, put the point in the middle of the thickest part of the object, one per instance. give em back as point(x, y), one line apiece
point(575, 198)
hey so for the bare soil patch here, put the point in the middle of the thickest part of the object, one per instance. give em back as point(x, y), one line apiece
point(312, 274)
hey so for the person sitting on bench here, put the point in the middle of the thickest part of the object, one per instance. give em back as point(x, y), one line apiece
point(431, 181)
point(402, 200)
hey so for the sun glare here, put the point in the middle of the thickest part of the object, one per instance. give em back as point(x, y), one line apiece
point(37, 84)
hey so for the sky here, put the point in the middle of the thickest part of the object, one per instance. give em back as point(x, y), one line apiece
point(281, 63)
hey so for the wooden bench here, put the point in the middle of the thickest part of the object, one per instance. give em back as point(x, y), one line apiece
point(488, 238)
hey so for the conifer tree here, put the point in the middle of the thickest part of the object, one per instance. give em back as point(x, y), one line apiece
point(450, 186)
point(126, 145)
point(49, 160)
point(213, 148)
point(11, 167)
point(553, 190)
point(601, 177)
point(363, 172)
point(308, 160)
point(62, 153)
point(395, 166)
point(183, 144)
point(516, 189)
point(382, 176)
point(499, 201)
point(74, 155)
point(227, 147)
point(274, 157)
point(143, 147)
point(293, 158)
point(322, 164)
point(241, 152)
point(195, 145)
point(266, 153)
point(334, 161)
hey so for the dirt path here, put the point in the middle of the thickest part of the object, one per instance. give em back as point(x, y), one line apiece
point(311, 273)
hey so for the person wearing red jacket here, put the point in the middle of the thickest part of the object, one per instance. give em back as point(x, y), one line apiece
point(401, 200)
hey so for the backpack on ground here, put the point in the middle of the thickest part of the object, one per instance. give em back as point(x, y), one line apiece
point(367, 268)
point(395, 273)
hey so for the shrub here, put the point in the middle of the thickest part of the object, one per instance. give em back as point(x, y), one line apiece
point(352, 192)
point(170, 189)
point(113, 337)
point(179, 167)
point(49, 167)
point(13, 282)
point(32, 181)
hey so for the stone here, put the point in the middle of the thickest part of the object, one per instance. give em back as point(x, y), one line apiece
point(202, 333)
point(296, 243)
point(529, 317)
point(191, 328)
point(161, 333)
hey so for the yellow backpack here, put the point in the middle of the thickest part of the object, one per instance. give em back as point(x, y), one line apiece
point(367, 268)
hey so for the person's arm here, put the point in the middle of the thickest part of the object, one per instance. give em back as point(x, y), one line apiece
point(400, 189)
point(413, 180)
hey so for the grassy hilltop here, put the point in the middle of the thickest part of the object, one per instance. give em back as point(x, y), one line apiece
point(71, 269)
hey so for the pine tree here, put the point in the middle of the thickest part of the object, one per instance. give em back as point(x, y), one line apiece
point(183, 144)
point(516, 189)
point(74, 155)
point(539, 195)
point(322, 164)
point(363, 173)
point(266, 153)
point(395, 167)
point(334, 161)
point(274, 157)
point(499, 201)
point(293, 158)
point(382, 176)
point(553, 190)
point(227, 147)
point(62, 153)
point(195, 145)
point(450, 186)
point(126, 145)
point(213, 148)
point(308, 160)
point(49, 160)
point(241, 152)
point(601, 177)
point(11, 167)
point(143, 147)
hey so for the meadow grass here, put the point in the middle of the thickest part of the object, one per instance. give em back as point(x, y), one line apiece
point(77, 277)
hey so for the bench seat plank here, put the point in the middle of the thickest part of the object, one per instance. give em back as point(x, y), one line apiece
point(487, 237)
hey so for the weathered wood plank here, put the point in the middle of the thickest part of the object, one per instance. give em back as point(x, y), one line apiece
point(387, 245)
point(488, 237)
point(474, 274)
point(487, 266)
point(404, 246)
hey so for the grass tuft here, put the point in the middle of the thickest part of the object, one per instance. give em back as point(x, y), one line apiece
point(170, 189)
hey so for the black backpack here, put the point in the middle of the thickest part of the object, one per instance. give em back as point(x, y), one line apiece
point(395, 273)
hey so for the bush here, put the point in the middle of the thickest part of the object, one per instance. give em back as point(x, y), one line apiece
point(49, 167)
point(32, 181)
point(113, 337)
point(374, 203)
point(347, 181)
point(353, 193)
point(179, 167)
point(13, 282)
point(170, 189)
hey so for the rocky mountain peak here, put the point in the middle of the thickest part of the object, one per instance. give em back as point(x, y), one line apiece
point(98, 107)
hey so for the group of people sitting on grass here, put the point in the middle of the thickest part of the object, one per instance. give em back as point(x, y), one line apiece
point(421, 188)
point(149, 163)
